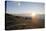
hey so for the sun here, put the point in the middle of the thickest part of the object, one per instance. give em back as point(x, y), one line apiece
point(19, 3)
point(33, 14)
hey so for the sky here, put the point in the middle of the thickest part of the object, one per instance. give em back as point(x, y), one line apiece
point(18, 7)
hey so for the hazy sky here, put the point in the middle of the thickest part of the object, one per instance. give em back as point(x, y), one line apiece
point(15, 7)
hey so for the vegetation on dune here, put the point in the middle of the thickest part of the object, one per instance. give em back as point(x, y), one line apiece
point(19, 22)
